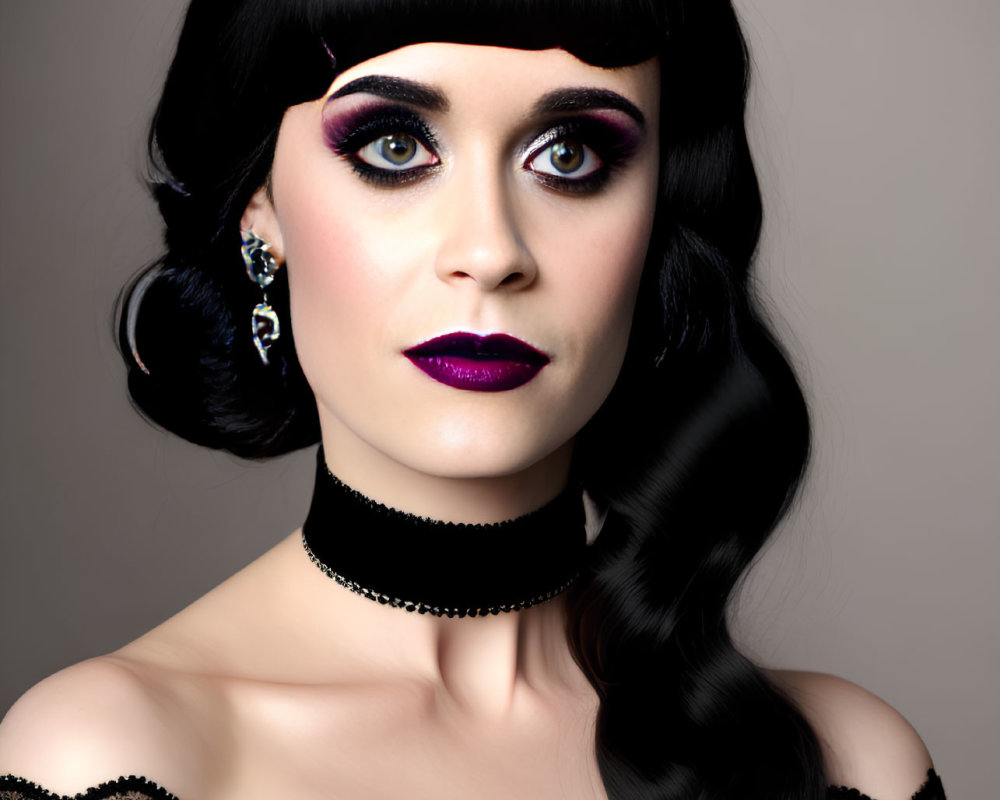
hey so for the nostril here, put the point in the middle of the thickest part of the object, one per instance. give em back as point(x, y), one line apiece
point(490, 264)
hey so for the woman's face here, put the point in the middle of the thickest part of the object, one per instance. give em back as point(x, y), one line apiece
point(461, 191)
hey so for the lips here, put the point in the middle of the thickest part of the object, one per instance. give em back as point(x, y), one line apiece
point(494, 363)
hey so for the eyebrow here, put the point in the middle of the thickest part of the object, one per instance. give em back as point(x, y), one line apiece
point(562, 100)
point(398, 89)
point(559, 101)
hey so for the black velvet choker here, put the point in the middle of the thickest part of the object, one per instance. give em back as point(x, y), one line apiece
point(443, 568)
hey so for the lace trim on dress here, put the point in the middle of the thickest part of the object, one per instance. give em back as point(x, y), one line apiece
point(135, 788)
point(124, 788)
point(931, 790)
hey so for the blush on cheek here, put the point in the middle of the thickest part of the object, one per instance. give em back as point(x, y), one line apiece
point(324, 303)
point(326, 265)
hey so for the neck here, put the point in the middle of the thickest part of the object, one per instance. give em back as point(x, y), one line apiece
point(475, 668)
point(486, 624)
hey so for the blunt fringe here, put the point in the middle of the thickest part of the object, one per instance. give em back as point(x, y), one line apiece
point(695, 455)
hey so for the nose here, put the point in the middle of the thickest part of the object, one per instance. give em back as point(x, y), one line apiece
point(481, 239)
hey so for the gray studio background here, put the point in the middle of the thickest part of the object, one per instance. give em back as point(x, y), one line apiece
point(876, 127)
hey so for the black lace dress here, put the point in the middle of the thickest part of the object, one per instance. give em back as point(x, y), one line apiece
point(133, 788)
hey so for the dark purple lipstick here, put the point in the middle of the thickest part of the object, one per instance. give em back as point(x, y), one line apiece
point(493, 363)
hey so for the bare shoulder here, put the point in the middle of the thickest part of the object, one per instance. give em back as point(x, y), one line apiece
point(866, 743)
point(93, 722)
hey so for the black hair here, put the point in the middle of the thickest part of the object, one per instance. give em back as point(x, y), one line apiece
point(696, 453)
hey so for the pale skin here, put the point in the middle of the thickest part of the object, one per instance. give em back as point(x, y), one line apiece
point(279, 682)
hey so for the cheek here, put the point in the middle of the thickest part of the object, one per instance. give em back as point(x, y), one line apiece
point(324, 290)
point(326, 263)
point(620, 254)
point(601, 272)
point(341, 277)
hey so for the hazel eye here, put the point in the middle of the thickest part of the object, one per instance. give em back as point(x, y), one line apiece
point(396, 152)
point(565, 158)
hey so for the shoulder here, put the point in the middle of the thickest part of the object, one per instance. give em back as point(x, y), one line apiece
point(93, 722)
point(866, 743)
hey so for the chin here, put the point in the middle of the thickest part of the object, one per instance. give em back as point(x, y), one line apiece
point(488, 454)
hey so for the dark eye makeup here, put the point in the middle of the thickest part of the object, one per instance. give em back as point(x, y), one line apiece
point(391, 145)
point(376, 140)
point(581, 153)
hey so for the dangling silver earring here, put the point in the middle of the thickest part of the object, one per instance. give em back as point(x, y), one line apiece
point(261, 266)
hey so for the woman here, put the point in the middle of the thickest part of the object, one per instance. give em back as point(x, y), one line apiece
point(482, 277)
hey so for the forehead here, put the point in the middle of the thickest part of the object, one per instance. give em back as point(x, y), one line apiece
point(483, 74)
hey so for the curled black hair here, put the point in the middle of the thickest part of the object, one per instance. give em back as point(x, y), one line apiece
point(696, 453)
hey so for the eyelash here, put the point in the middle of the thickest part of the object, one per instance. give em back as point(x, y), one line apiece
point(609, 145)
point(350, 137)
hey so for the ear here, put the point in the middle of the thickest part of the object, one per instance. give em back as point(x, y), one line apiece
point(259, 217)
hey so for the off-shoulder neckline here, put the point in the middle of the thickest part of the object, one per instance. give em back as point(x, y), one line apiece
point(932, 784)
point(126, 783)
point(32, 791)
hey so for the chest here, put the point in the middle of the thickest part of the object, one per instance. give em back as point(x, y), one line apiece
point(382, 744)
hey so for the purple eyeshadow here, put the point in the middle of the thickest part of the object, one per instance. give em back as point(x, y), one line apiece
point(348, 130)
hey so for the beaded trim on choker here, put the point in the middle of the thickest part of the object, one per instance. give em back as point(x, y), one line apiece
point(442, 568)
point(423, 608)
